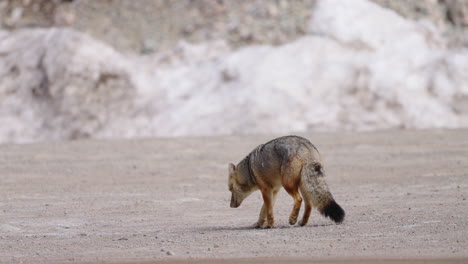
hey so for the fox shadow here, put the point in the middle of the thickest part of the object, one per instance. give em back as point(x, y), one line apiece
point(251, 227)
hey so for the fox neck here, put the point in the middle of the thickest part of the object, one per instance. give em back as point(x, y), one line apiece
point(245, 174)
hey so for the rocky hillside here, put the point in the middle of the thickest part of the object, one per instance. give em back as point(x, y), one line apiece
point(145, 26)
point(357, 66)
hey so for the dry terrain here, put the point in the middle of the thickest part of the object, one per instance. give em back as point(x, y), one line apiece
point(152, 200)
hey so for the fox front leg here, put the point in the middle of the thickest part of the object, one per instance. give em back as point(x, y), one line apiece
point(269, 198)
point(266, 213)
point(261, 218)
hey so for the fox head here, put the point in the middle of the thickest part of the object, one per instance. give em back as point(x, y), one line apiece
point(239, 184)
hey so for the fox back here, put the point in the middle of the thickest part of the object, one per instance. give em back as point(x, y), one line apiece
point(283, 157)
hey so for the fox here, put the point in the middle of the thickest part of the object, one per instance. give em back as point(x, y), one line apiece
point(292, 162)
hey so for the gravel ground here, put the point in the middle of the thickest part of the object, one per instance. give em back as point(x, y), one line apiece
point(166, 199)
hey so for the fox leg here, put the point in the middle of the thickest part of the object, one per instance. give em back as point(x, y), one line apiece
point(297, 205)
point(266, 214)
point(307, 211)
point(269, 211)
point(261, 218)
point(308, 208)
point(291, 181)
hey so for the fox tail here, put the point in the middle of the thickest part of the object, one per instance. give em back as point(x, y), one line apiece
point(315, 189)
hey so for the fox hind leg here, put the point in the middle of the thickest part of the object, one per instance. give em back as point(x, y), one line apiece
point(307, 211)
point(297, 204)
point(290, 180)
point(308, 207)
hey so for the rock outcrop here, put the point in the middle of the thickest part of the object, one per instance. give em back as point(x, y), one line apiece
point(59, 84)
point(360, 67)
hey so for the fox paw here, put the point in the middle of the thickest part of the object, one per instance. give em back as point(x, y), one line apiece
point(258, 225)
point(270, 223)
point(292, 221)
point(302, 223)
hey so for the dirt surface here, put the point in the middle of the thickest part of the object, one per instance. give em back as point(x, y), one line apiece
point(166, 199)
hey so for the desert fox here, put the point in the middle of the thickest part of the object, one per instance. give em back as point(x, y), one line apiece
point(292, 162)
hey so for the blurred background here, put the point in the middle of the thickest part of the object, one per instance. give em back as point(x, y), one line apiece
point(153, 68)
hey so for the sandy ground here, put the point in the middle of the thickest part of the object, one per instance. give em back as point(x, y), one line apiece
point(166, 199)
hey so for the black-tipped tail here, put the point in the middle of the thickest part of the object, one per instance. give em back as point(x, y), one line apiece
point(334, 211)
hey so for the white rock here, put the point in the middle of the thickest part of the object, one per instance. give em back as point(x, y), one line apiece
point(362, 67)
point(59, 84)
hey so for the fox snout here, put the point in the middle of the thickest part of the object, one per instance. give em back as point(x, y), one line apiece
point(234, 203)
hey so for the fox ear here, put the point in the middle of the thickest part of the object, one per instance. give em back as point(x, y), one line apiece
point(232, 168)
